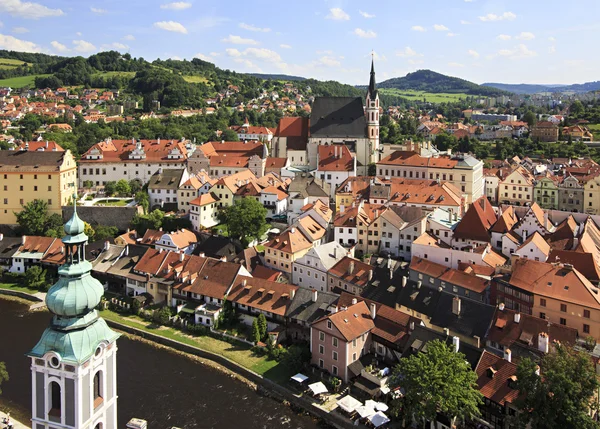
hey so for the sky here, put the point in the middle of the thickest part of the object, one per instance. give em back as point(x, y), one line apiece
point(508, 41)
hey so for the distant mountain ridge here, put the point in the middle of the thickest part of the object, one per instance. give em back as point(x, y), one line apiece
point(430, 81)
point(525, 88)
point(276, 76)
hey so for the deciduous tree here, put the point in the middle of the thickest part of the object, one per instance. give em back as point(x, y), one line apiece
point(440, 380)
point(3, 374)
point(245, 219)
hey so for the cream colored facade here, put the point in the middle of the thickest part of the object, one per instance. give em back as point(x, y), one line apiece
point(574, 316)
point(516, 188)
point(591, 196)
point(28, 176)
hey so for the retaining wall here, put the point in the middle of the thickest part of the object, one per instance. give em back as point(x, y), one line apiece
point(270, 387)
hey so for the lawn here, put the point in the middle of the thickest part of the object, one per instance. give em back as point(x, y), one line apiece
point(118, 203)
point(115, 73)
point(595, 130)
point(195, 79)
point(240, 354)
point(420, 95)
point(9, 63)
point(18, 288)
point(21, 81)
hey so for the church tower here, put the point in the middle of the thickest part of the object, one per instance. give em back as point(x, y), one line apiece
point(73, 366)
point(372, 113)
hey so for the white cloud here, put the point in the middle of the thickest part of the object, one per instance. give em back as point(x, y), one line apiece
point(451, 34)
point(504, 37)
point(440, 27)
point(378, 57)
point(129, 37)
point(518, 52)
point(552, 49)
point(284, 46)
point(83, 46)
point(20, 30)
point(473, 53)
point(116, 46)
point(327, 52)
point(463, 22)
point(414, 62)
point(490, 17)
point(366, 15)
point(365, 34)
point(329, 61)
point(178, 5)
point(418, 28)
point(250, 27)
point(203, 57)
point(214, 54)
point(173, 26)
point(237, 40)
point(98, 11)
point(79, 33)
point(232, 52)
point(525, 35)
point(551, 39)
point(263, 54)
point(13, 44)
point(453, 64)
point(58, 47)
point(408, 52)
point(337, 14)
point(28, 10)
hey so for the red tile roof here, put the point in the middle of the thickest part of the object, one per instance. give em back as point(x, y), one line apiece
point(262, 294)
point(352, 271)
point(477, 222)
point(413, 159)
point(496, 387)
point(335, 158)
point(352, 322)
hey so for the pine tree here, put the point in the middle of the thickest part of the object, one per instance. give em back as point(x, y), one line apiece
point(255, 332)
point(262, 326)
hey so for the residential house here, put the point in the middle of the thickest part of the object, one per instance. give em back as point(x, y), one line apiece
point(275, 200)
point(571, 195)
point(29, 175)
point(8, 247)
point(546, 192)
point(164, 186)
point(181, 240)
point(341, 338)
point(534, 247)
point(307, 306)
point(335, 165)
point(290, 139)
point(516, 188)
point(283, 250)
point(398, 227)
point(190, 190)
point(544, 131)
point(475, 227)
point(30, 253)
point(204, 212)
point(350, 275)
point(310, 271)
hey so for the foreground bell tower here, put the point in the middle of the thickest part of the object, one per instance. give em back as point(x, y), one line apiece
point(372, 113)
point(74, 365)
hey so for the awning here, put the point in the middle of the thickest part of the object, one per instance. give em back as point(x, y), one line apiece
point(318, 388)
point(380, 406)
point(349, 404)
point(378, 419)
point(300, 378)
point(364, 411)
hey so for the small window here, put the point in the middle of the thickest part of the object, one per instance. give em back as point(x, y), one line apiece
point(329, 324)
point(321, 336)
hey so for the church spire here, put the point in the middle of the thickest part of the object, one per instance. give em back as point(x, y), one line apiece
point(372, 86)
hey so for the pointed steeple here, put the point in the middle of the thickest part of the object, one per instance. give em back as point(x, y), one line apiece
point(372, 87)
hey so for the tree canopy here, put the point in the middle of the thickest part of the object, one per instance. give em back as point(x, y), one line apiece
point(3, 374)
point(35, 219)
point(561, 395)
point(440, 380)
point(245, 219)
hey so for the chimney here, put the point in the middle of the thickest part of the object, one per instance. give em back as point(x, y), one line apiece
point(351, 267)
point(342, 208)
point(524, 236)
point(543, 342)
point(354, 301)
point(501, 306)
point(202, 254)
point(373, 310)
point(456, 344)
point(335, 155)
point(419, 283)
point(314, 295)
point(517, 317)
point(223, 259)
point(293, 230)
point(244, 282)
point(1, 236)
point(370, 275)
point(127, 250)
point(450, 215)
point(456, 306)
point(412, 326)
point(292, 293)
point(334, 309)
point(181, 256)
point(446, 332)
point(404, 280)
point(106, 245)
point(507, 355)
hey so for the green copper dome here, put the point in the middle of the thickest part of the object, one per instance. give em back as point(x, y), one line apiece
point(74, 296)
point(76, 329)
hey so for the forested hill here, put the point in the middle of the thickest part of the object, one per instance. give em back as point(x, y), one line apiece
point(276, 76)
point(175, 83)
point(524, 88)
point(430, 81)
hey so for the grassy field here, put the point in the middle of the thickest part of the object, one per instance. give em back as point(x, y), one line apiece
point(595, 130)
point(18, 288)
point(118, 203)
point(240, 354)
point(195, 79)
point(420, 95)
point(21, 81)
point(9, 63)
point(130, 75)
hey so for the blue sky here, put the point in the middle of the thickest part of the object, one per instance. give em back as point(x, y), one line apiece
point(525, 41)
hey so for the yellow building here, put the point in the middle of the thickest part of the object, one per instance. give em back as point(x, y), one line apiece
point(591, 194)
point(27, 176)
point(284, 249)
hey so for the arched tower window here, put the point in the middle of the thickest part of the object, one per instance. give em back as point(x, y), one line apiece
point(98, 426)
point(98, 389)
point(55, 400)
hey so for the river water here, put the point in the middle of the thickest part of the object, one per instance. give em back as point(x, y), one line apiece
point(164, 388)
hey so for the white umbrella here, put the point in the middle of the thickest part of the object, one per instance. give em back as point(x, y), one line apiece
point(300, 378)
point(348, 403)
point(370, 403)
point(318, 388)
point(378, 419)
point(380, 406)
point(364, 411)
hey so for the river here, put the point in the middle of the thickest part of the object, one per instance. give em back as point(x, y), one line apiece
point(165, 388)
